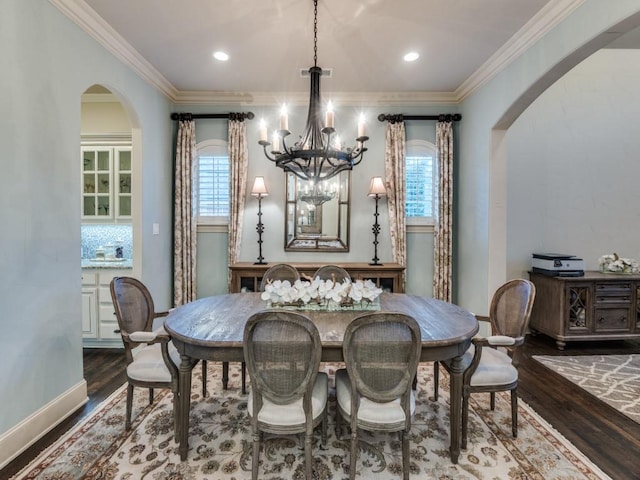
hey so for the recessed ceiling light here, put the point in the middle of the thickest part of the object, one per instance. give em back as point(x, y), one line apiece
point(223, 57)
point(411, 56)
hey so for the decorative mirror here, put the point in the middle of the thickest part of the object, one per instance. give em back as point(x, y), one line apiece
point(317, 214)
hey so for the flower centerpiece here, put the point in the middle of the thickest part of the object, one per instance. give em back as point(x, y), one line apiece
point(613, 263)
point(318, 294)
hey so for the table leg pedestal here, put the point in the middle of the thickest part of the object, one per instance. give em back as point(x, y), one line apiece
point(184, 403)
point(455, 391)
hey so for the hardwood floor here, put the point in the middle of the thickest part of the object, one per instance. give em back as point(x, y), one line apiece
point(607, 437)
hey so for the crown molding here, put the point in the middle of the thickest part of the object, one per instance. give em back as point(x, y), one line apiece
point(87, 19)
point(356, 99)
point(545, 20)
point(549, 16)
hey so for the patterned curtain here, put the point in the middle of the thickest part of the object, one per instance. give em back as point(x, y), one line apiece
point(394, 168)
point(184, 227)
point(443, 229)
point(238, 163)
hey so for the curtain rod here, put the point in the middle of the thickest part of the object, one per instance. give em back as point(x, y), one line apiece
point(399, 117)
point(233, 116)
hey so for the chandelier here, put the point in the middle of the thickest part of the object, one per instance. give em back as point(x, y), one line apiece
point(319, 154)
point(318, 194)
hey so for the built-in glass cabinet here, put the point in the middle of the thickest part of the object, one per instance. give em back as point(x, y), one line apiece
point(106, 182)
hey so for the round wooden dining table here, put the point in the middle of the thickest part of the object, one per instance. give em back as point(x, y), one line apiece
point(212, 329)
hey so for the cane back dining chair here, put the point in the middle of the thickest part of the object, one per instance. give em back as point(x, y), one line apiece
point(332, 272)
point(288, 395)
point(152, 362)
point(381, 351)
point(279, 271)
point(490, 363)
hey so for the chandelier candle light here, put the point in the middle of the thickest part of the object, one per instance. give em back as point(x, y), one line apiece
point(376, 190)
point(319, 154)
point(259, 190)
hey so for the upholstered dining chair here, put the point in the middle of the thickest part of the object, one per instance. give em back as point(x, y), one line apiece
point(332, 272)
point(152, 362)
point(288, 395)
point(490, 364)
point(279, 271)
point(381, 351)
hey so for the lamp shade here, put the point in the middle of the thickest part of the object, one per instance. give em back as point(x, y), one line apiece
point(259, 188)
point(377, 187)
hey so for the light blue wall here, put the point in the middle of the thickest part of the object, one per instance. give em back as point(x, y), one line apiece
point(212, 247)
point(573, 165)
point(47, 63)
point(481, 207)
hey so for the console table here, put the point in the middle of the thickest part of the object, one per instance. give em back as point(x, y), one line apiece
point(597, 306)
point(246, 276)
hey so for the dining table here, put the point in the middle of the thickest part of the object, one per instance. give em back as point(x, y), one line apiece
point(212, 329)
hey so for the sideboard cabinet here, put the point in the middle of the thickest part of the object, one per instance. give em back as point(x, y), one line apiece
point(597, 306)
point(246, 276)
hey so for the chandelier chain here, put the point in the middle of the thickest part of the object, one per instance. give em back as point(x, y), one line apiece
point(315, 33)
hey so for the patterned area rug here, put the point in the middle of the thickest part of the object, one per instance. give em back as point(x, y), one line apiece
point(220, 443)
point(614, 379)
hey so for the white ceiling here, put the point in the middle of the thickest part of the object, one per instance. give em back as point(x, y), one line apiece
point(461, 43)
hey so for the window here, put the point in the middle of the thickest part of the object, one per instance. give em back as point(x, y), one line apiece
point(213, 182)
point(419, 182)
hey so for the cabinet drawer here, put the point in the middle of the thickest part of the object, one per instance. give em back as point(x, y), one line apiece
point(89, 278)
point(611, 319)
point(617, 292)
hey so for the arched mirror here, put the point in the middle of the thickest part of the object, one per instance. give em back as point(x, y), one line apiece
point(317, 214)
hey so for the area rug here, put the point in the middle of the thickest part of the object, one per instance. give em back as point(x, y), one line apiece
point(614, 379)
point(220, 443)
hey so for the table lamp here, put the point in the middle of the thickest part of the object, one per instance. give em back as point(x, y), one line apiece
point(259, 190)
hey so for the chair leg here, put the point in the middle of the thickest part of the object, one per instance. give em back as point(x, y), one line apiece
point(436, 380)
point(465, 418)
point(127, 421)
point(307, 455)
point(256, 456)
point(225, 375)
point(338, 423)
point(493, 400)
point(514, 413)
point(404, 439)
point(176, 422)
point(204, 378)
point(150, 396)
point(244, 378)
point(354, 454)
point(324, 426)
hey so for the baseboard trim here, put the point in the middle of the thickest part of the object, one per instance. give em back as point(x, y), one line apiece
point(17, 439)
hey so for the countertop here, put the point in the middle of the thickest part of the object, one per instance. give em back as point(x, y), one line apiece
point(103, 264)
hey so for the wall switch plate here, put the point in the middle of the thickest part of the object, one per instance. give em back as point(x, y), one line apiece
point(156, 229)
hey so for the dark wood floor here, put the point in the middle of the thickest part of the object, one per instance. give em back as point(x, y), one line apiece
point(607, 437)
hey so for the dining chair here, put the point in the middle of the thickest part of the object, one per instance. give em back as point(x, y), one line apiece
point(152, 362)
point(279, 271)
point(381, 351)
point(332, 272)
point(490, 364)
point(288, 395)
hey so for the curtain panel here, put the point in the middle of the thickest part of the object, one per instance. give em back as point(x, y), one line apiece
point(394, 167)
point(238, 164)
point(184, 228)
point(443, 228)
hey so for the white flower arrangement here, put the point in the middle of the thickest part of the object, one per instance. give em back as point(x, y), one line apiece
point(321, 294)
point(612, 263)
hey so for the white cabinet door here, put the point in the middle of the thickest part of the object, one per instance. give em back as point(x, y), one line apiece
point(89, 312)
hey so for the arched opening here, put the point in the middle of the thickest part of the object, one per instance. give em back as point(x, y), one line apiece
point(500, 262)
point(110, 188)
